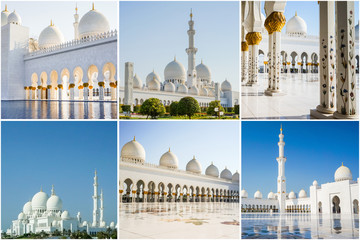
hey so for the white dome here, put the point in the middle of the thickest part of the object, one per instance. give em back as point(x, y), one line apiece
point(244, 193)
point(194, 90)
point(14, 18)
point(182, 89)
point(112, 225)
point(84, 223)
point(193, 166)
point(212, 170)
point(137, 83)
point(27, 208)
point(151, 76)
point(4, 16)
point(271, 195)
point(204, 92)
point(315, 183)
point(343, 173)
point(226, 174)
point(54, 203)
point(292, 195)
point(203, 72)
point(175, 71)
point(225, 86)
point(21, 216)
point(296, 26)
point(133, 151)
point(154, 85)
point(39, 200)
point(93, 23)
point(302, 194)
point(235, 177)
point(169, 159)
point(50, 36)
point(169, 87)
point(65, 215)
point(258, 195)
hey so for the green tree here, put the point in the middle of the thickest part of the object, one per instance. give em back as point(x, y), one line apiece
point(174, 108)
point(153, 108)
point(126, 108)
point(114, 234)
point(236, 109)
point(211, 109)
point(188, 106)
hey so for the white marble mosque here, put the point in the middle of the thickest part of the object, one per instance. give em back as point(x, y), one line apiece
point(318, 73)
point(48, 68)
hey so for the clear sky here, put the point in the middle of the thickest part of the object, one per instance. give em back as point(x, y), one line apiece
point(152, 33)
point(314, 150)
point(209, 141)
point(309, 11)
point(66, 154)
point(37, 14)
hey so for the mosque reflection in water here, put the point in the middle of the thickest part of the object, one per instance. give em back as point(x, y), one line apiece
point(292, 225)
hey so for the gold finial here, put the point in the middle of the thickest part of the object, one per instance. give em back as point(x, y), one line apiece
point(191, 15)
point(295, 13)
point(194, 157)
point(76, 8)
point(51, 23)
point(281, 128)
point(93, 6)
point(41, 189)
point(342, 164)
point(52, 190)
point(201, 61)
point(5, 8)
point(169, 149)
point(174, 57)
point(134, 139)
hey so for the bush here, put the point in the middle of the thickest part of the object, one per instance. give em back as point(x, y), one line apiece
point(126, 108)
point(236, 109)
point(174, 108)
point(212, 106)
point(137, 109)
point(167, 109)
point(120, 108)
point(152, 107)
point(188, 106)
point(203, 109)
point(229, 109)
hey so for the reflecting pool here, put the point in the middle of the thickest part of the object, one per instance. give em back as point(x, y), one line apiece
point(299, 225)
point(34, 109)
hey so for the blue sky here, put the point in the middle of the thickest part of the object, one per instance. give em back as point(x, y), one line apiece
point(153, 32)
point(314, 150)
point(209, 141)
point(309, 11)
point(65, 154)
point(37, 14)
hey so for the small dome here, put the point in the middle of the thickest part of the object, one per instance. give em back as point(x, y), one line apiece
point(271, 195)
point(182, 89)
point(112, 225)
point(137, 83)
point(244, 193)
point(133, 151)
point(315, 183)
point(14, 18)
point(27, 208)
point(39, 200)
point(258, 195)
point(204, 92)
point(235, 177)
point(151, 76)
point(302, 194)
point(93, 23)
point(169, 87)
point(154, 85)
point(4, 16)
point(296, 26)
point(84, 224)
point(50, 36)
point(175, 71)
point(194, 90)
point(203, 73)
point(65, 215)
point(226, 174)
point(212, 170)
point(343, 173)
point(21, 216)
point(225, 86)
point(292, 195)
point(169, 159)
point(193, 166)
point(54, 203)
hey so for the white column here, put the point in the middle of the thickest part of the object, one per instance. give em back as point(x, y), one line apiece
point(270, 75)
point(91, 92)
point(86, 91)
point(244, 61)
point(281, 180)
point(253, 40)
point(191, 51)
point(71, 92)
point(27, 93)
point(95, 201)
point(113, 91)
point(101, 207)
point(101, 91)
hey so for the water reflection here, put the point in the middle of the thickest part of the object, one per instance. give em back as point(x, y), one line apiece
point(299, 225)
point(58, 110)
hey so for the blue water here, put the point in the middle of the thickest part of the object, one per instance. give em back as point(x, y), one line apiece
point(30, 109)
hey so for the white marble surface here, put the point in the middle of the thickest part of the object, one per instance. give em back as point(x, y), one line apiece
point(302, 94)
point(179, 220)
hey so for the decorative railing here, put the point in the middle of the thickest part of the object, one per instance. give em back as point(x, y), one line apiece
point(75, 42)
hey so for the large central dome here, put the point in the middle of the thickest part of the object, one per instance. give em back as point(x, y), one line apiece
point(50, 36)
point(296, 26)
point(93, 23)
point(39, 200)
point(175, 71)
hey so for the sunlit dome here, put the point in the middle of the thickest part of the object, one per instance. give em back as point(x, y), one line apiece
point(21, 216)
point(93, 23)
point(169, 87)
point(50, 36)
point(194, 90)
point(27, 208)
point(14, 18)
point(343, 173)
point(296, 26)
point(137, 83)
point(203, 72)
point(65, 215)
point(302, 194)
point(175, 71)
point(225, 86)
point(182, 89)
point(151, 76)
point(226, 174)
point(54, 203)
point(193, 166)
point(4, 16)
point(112, 225)
point(154, 85)
point(271, 195)
point(169, 159)
point(212, 170)
point(133, 151)
point(39, 200)
point(258, 195)
point(292, 195)
point(235, 177)
point(244, 193)
point(315, 183)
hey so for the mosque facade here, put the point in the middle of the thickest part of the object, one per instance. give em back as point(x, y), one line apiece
point(49, 68)
point(143, 182)
point(44, 213)
point(178, 82)
point(340, 196)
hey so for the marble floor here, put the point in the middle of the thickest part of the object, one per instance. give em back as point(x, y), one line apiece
point(299, 226)
point(302, 94)
point(179, 220)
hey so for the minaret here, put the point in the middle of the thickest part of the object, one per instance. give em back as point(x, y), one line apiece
point(101, 207)
point(281, 182)
point(76, 24)
point(95, 222)
point(191, 51)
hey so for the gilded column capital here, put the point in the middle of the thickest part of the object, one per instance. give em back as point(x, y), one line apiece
point(275, 22)
point(253, 38)
point(244, 46)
